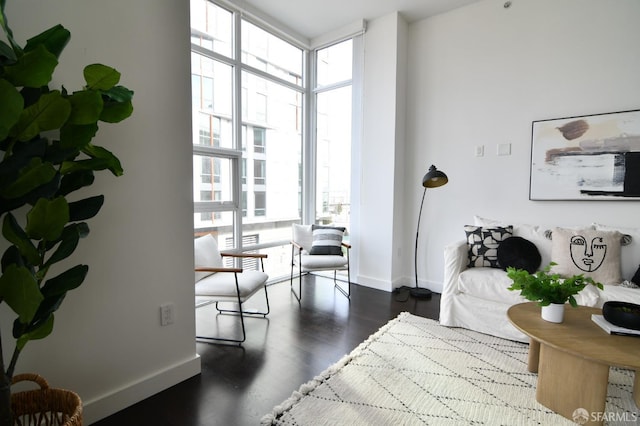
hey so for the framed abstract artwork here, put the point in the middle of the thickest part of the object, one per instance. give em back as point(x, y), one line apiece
point(589, 157)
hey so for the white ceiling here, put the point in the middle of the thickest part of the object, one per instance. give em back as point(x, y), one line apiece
point(313, 18)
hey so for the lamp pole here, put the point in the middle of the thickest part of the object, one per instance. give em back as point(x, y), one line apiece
point(433, 179)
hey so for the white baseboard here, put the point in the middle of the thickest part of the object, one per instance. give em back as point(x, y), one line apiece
point(374, 283)
point(103, 406)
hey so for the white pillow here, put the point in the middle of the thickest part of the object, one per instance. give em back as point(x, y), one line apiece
point(206, 253)
point(303, 235)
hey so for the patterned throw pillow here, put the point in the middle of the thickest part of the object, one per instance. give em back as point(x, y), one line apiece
point(483, 244)
point(327, 240)
point(592, 253)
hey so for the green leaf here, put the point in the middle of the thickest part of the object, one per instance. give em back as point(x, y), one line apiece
point(33, 69)
point(47, 219)
point(101, 77)
point(13, 233)
point(20, 290)
point(75, 180)
point(7, 30)
point(119, 94)
point(11, 104)
point(11, 256)
point(7, 52)
point(41, 332)
point(49, 113)
point(68, 242)
point(83, 165)
point(54, 40)
point(30, 178)
point(114, 112)
point(77, 136)
point(85, 209)
point(112, 162)
point(68, 280)
point(86, 107)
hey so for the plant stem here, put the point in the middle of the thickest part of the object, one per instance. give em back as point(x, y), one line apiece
point(12, 364)
point(6, 418)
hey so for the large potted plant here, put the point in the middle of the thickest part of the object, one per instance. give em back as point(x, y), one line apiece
point(550, 290)
point(46, 156)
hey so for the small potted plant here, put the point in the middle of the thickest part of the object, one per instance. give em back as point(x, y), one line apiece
point(551, 291)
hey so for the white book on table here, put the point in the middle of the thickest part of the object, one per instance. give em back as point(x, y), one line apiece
point(613, 329)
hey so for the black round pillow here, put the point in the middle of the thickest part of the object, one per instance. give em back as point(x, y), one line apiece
point(519, 253)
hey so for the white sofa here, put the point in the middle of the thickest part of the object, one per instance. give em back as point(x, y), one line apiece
point(477, 298)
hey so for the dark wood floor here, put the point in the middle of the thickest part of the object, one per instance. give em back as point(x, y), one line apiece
point(238, 386)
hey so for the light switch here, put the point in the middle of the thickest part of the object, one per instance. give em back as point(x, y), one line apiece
point(504, 149)
point(479, 150)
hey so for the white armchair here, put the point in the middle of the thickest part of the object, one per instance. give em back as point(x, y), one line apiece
point(323, 252)
point(215, 283)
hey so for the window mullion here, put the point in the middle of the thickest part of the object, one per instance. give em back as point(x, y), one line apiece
point(237, 128)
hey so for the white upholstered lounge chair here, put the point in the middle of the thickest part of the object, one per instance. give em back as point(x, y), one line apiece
point(304, 247)
point(216, 283)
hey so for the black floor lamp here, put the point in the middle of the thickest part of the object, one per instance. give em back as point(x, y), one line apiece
point(433, 179)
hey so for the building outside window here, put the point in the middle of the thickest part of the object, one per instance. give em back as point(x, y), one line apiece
point(245, 90)
point(333, 133)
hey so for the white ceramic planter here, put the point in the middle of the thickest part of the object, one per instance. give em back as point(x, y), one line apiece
point(553, 313)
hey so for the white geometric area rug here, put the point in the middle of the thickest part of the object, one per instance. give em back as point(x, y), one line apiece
point(415, 372)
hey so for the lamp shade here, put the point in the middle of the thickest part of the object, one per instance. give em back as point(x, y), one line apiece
point(434, 178)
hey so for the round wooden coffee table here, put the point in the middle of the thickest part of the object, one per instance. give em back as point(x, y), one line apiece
point(572, 358)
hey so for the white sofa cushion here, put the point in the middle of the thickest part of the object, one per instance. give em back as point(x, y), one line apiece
point(488, 284)
point(620, 294)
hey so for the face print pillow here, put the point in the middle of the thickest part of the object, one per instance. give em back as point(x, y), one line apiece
point(592, 253)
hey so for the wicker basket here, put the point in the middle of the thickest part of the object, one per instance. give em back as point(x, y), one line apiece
point(45, 406)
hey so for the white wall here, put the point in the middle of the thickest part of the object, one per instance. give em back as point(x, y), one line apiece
point(107, 343)
point(383, 130)
point(479, 75)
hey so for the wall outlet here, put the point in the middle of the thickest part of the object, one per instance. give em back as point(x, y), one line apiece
point(167, 315)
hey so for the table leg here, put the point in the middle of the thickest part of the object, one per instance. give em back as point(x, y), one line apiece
point(566, 383)
point(534, 356)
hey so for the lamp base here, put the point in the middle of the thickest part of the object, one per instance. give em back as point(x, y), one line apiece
point(420, 293)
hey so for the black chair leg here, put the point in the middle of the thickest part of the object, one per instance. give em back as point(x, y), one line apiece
point(240, 312)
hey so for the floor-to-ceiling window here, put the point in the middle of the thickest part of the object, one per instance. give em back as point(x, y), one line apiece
point(247, 99)
point(252, 107)
point(333, 112)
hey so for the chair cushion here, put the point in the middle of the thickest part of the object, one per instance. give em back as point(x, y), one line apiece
point(206, 253)
point(327, 240)
point(328, 262)
point(221, 286)
point(302, 235)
